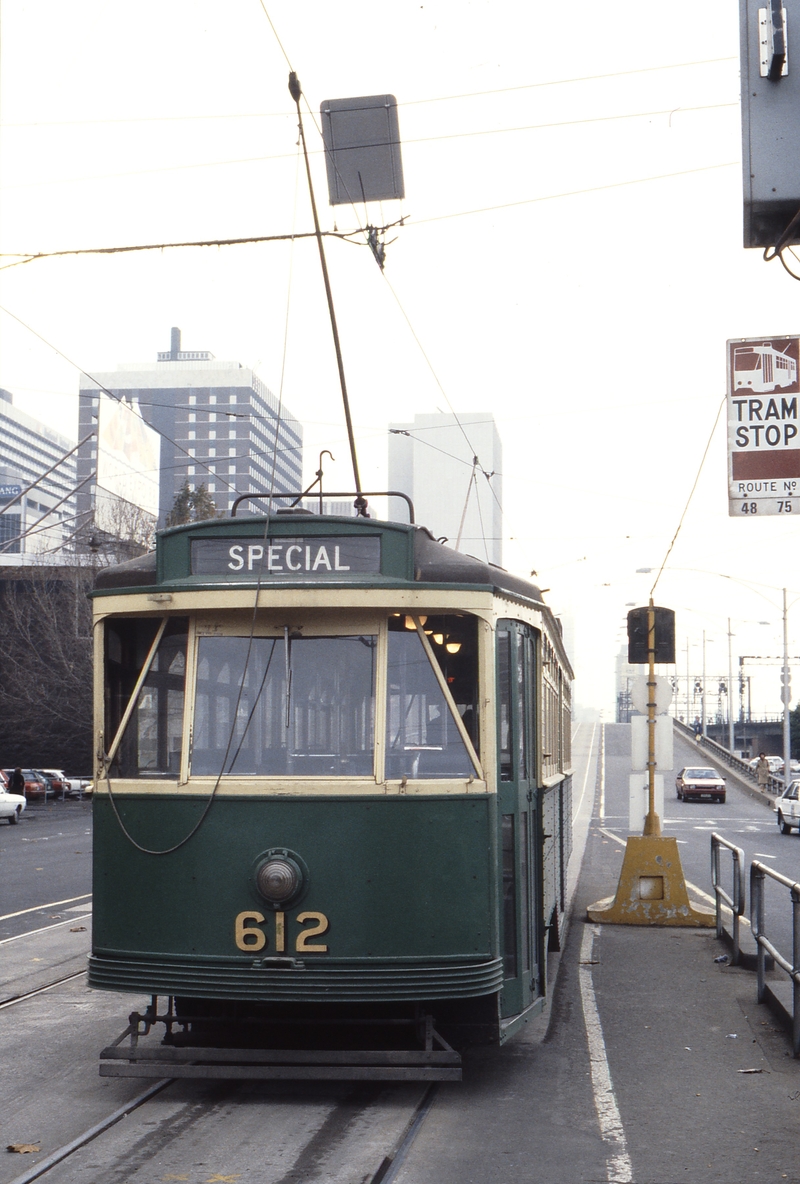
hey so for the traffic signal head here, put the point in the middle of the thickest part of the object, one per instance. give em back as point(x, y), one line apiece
point(638, 647)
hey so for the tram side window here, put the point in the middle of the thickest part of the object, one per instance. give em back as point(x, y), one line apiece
point(422, 738)
point(509, 899)
point(504, 740)
point(151, 743)
point(285, 707)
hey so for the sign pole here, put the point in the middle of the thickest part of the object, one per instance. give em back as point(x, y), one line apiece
point(652, 823)
point(651, 889)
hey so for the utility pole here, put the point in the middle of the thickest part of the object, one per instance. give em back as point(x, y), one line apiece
point(786, 695)
point(730, 689)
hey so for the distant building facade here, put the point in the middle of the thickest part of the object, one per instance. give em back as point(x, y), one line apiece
point(220, 426)
point(432, 460)
point(39, 525)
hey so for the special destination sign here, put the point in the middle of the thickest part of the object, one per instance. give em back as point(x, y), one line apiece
point(311, 559)
point(763, 426)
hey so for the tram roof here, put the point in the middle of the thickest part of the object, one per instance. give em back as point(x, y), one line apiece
point(409, 554)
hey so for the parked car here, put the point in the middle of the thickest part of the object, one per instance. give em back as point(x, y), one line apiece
point(693, 783)
point(35, 784)
point(775, 764)
point(787, 808)
point(78, 786)
point(11, 804)
point(56, 779)
point(794, 768)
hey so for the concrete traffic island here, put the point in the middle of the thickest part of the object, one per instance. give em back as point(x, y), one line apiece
point(651, 888)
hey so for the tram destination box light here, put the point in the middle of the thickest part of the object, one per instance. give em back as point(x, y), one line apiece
point(637, 635)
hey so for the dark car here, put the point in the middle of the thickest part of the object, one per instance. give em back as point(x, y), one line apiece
point(699, 782)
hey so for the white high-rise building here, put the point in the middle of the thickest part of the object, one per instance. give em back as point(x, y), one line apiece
point(35, 526)
point(451, 468)
point(220, 427)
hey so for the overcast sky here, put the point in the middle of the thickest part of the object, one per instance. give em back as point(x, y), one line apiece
point(571, 261)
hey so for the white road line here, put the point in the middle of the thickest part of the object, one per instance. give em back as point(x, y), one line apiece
point(576, 809)
point(602, 806)
point(619, 1169)
point(52, 905)
point(45, 929)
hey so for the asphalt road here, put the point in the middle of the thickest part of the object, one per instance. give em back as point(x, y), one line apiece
point(744, 819)
point(45, 859)
point(701, 1078)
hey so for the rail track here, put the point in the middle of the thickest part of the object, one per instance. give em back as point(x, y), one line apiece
point(331, 1126)
point(12, 1000)
point(335, 1139)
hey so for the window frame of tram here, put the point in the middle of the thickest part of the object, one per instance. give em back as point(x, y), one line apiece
point(152, 742)
point(516, 658)
point(432, 746)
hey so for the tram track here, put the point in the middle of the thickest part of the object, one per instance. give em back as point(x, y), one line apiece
point(331, 1144)
point(11, 1000)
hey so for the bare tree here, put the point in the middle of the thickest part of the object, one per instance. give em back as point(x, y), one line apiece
point(46, 673)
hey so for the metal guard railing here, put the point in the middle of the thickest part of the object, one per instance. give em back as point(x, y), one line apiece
point(723, 754)
point(736, 902)
point(758, 876)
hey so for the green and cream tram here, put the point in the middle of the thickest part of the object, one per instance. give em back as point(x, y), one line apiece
point(333, 798)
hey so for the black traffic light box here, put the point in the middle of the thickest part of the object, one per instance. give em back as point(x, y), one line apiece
point(637, 635)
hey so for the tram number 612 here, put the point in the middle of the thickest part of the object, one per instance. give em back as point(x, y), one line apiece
point(250, 938)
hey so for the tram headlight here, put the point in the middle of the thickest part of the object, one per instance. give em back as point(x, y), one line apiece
point(278, 880)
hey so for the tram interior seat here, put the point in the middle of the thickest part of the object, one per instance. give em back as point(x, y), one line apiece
point(422, 762)
point(280, 763)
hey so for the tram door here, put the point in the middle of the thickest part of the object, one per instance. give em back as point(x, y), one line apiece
point(519, 840)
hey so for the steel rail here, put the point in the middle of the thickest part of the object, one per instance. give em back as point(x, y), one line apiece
point(69, 1148)
point(385, 1174)
point(391, 1164)
point(13, 999)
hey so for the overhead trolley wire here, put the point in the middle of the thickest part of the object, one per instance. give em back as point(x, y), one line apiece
point(476, 94)
point(204, 464)
point(21, 258)
point(689, 499)
point(210, 164)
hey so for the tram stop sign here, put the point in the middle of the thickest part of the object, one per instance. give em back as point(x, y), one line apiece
point(637, 635)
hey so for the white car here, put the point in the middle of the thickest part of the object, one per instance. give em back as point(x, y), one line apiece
point(11, 805)
point(787, 808)
point(775, 764)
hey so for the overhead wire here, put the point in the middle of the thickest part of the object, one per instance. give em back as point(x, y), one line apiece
point(53, 526)
point(691, 495)
point(23, 492)
point(438, 382)
point(345, 236)
point(478, 94)
point(173, 168)
point(117, 398)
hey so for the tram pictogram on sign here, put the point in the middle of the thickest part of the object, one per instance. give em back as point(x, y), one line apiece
point(763, 426)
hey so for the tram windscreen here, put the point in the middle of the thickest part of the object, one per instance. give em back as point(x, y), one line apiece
point(746, 359)
point(422, 738)
point(151, 742)
point(285, 707)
